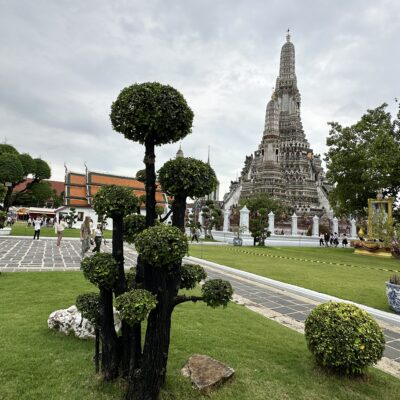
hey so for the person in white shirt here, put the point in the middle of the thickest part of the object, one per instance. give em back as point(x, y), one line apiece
point(98, 237)
point(37, 223)
point(59, 229)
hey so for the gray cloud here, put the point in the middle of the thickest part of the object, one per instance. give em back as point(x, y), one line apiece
point(63, 63)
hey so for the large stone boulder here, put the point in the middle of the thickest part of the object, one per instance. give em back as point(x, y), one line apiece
point(70, 320)
point(206, 373)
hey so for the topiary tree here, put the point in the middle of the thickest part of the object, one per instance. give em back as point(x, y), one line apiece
point(151, 114)
point(71, 217)
point(212, 217)
point(343, 338)
point(185, 177)
point(102, 270)
point(161, 249)
point(115, 202)
point(89, 305)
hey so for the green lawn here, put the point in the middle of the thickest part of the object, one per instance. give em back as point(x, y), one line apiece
point(334, 271)
point(271, 361)
point(21, 229)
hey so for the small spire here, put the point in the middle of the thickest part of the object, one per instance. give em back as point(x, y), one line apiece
point(288, 35)
point(179, 153)
point(208, 158)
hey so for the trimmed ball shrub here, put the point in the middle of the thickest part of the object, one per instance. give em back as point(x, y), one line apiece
point(130, 277)
point(151, 111)
point(161, 245)
point(100, 269)
point(133, 225)
point(191, 275)
point(217, 292)
point(134, 306)
point(112, 200)
point(187, 176)
point(344, 338)
point(88, 304)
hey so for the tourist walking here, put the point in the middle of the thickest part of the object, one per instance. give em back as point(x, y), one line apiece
point(85, 236)
point(59, 229)
point(321, 240)
point(335, 239)
point(29, 222)
point(98, 237)
point(37, 224)
point(196, 235)
point(344, 241)
point(326, 237)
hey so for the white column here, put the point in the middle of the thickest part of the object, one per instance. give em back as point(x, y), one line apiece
point(315, 226)
point(353, 231)
point(271, 223)
point(226, 220)
point(244, 219)
point(335, 225)
point(294, 224)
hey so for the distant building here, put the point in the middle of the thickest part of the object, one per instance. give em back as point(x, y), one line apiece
point(284, 166)
point(81, 187)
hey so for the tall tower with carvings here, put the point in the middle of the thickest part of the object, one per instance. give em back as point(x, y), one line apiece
point(284, 165)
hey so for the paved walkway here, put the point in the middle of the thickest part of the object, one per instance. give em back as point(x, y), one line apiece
point(23, 254)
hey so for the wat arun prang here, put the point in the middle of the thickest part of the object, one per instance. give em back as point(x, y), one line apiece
point(284, 165)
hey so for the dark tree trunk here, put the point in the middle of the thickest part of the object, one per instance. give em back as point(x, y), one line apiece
point(118, 253)
point(7, 198)
point(97, 350)
point(178, 212)
point(149, 160)
point(111, 352)
point(149, 378)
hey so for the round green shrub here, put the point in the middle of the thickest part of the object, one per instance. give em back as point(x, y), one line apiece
point(187, 176)
point(217, 292)
point(191, 275)
point(112, 200)
point(130, 277)
point(134, 306)
point(161, 245)
point(100, 269)
point(344, 338)
point(88, 304)
point(133, 225)
point(152, 112)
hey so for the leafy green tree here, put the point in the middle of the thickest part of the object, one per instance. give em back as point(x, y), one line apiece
point(185, 177)
point(15, 167)
point(362, 159)
point(151, 114)
point(259, 207)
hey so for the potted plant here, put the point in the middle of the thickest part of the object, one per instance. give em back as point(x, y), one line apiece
point(393, 292)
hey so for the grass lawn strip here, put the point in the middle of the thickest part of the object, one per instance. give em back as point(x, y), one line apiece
point(313, 261)
point(331, 275)
point(270, 360)
point(22, 229)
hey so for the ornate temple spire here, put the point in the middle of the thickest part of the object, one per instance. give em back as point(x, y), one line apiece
point(287, 64)
point(288, 35)
point(179, 153)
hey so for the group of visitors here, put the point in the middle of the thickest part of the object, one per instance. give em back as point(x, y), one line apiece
point(45, 221)
point(88, 235)
point(10, 221)
point(332, 239)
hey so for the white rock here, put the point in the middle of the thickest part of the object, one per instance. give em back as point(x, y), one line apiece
point(70, 320)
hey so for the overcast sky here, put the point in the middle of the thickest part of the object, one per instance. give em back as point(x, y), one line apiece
point(62, 63)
